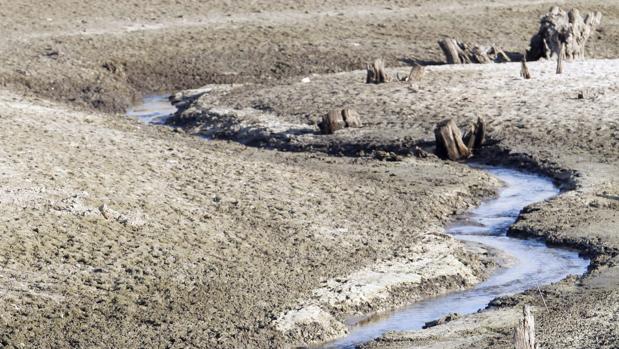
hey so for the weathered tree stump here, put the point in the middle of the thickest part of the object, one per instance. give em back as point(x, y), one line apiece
point(457, 52)
point(339, 119)
point(351, 118)
point(475, 133)
point(332, 122)
point(524, 70)
point(454, 51)
point(449, 142)
point(524, 335)
point(376, 73)
point(559, 27)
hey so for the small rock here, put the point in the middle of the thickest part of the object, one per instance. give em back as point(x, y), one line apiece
point(445, 319)
point(420, 153)
point(386, 156)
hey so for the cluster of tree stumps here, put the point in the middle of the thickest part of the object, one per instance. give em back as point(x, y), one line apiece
point(561, 35)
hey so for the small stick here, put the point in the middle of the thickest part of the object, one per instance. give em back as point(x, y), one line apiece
point(560, 59)
point(541, 295)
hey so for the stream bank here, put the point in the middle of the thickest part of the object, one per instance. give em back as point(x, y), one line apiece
point(531, 264)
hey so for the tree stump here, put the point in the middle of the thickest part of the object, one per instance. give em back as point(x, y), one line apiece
point(558, 28)
point(376, 73)
point(332, 122)
point(351, 118)
point(474, 136)
point(449, 142)
point(524, 70)
point(524, 335)
point(454, 51)
point(457, 52)
point(339, 119)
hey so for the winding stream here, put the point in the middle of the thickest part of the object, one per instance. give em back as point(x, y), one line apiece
point(535, 264)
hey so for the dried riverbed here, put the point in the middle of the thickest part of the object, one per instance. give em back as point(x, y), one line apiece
point(524, 265)
point(131, 236)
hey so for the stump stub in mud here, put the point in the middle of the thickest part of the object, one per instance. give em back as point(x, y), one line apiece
point(449, 142)
point(524, 335)
point(475, 133)
point(332, 122)
point(351, 118)
point(524, 69)
point(376, 73)
point(339, 119)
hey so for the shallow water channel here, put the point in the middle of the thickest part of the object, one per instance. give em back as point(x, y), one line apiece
point(534, 263)
point(153, 110)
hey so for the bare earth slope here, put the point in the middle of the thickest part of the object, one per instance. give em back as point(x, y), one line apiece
point(103, 54)
point(202, 243)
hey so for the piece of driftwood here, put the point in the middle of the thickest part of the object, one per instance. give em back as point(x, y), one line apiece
point(559, 27)
point(474, 135)
point(445, 319)
point(457, 52)
point(524, 70)
point(376, 73)
point(339, 119)
point(499, 55)
point(524, 335)
point(449, 144)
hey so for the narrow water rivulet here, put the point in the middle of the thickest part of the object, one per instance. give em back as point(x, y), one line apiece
point(535, 264)
point(153, 109)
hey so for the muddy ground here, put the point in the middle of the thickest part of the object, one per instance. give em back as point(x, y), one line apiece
point(106, 54)
point(539, 124)
point(124, 235)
